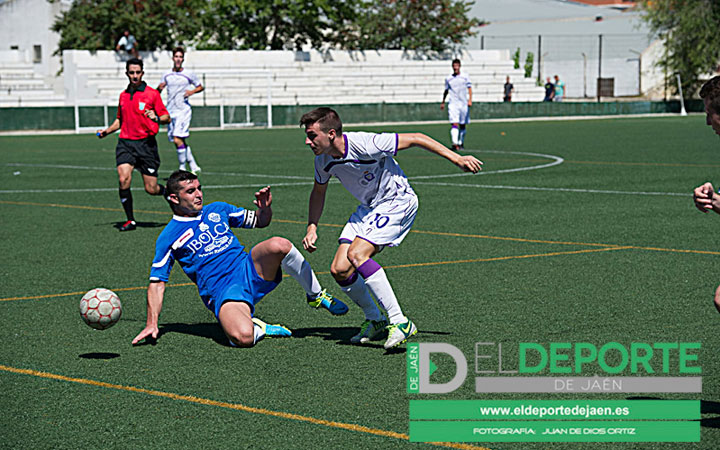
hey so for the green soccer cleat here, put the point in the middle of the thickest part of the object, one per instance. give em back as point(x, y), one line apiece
point(399, 333)
point(370, 330)
point(327, 301)
point(272, 330)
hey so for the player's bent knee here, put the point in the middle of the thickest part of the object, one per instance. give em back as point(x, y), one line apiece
point(280, 245)
point(244, 340)
point(357, 258)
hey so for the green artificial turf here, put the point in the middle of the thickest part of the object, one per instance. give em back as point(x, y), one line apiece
point(604, 246)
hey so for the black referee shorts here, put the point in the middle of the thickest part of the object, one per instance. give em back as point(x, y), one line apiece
point(141, 154)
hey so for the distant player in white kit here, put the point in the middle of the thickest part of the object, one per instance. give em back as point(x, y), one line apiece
point(459, 87)
point(364, 164)
point(181, 84)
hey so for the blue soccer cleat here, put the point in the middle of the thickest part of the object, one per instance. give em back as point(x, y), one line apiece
point(327, 301)
point(272, 330)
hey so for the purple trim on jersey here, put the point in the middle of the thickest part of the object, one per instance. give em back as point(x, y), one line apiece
point(347, 147)
point(397, 143)
point(368, 268)
point(454, 125)
point(349, 281)
point(344, 241)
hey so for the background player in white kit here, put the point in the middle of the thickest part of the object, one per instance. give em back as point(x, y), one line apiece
point(181, 84)
point(364, 165)
point(460, 89)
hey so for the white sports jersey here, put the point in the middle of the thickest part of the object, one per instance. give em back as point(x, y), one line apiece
point(368, 169)
point(457, 87)
point(176, 84)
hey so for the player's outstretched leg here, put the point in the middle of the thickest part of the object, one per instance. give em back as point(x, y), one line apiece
point(400, 328)
point(277, 252)
point(373, 328)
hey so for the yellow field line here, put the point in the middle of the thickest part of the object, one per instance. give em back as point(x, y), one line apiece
point(396, 266)
point(235, 406)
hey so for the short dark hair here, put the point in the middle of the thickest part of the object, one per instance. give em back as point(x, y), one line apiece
point(178, 49)
point(133, 62)
point(711, 92)
point(327, 118)
point(456, 61)
point(173, 183)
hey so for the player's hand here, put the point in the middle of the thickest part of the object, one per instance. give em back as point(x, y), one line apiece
point(309, 241)
point(149, 331)
point(263, 198)
point(703, 197)
point(150, 114)
point(188, 93)
point(469, 163)
point(469, 103)
point(100, 134)
point(442, 105)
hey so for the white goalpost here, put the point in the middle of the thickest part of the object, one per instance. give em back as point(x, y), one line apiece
point(682, 101)
point(85, 128)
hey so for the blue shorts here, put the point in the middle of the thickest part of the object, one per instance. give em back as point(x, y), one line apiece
point(243, 285)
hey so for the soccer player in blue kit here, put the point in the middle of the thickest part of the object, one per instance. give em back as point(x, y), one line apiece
point(230, 281)
point(364, 164)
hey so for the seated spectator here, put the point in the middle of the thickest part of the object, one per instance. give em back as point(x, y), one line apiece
point(128, 43)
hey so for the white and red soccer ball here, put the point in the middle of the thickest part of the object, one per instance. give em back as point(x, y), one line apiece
point(100, 308)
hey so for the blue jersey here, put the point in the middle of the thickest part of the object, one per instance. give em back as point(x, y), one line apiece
point(206, 249)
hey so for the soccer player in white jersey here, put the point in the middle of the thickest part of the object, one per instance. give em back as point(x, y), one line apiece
point(459, 87)
point(229, 279)
point(364, 164)
point(181, 84)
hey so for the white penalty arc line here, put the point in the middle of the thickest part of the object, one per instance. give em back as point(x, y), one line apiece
point(556, 160)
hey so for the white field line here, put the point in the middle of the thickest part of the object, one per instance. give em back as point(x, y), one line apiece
point(555, 160)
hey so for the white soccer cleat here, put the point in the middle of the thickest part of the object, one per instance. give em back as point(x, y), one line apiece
point(399, 333)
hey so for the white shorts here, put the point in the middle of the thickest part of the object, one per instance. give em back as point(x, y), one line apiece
point(387, 224)
point(458, 113)
point(179, 125)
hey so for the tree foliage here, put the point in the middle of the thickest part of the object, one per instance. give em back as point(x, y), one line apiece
point(425, 25)
point(274, 24)
point(689, 29)
point(422, 25)
point(98, 24)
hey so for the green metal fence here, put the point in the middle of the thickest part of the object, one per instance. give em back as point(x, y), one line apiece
point(62, 118)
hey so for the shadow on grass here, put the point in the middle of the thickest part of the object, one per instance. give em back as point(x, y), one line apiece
point(117, 225)
point(706, 407)
point(99, 355)
point(210, 330)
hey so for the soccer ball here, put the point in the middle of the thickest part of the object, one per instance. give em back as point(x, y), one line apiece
point(100, 308)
